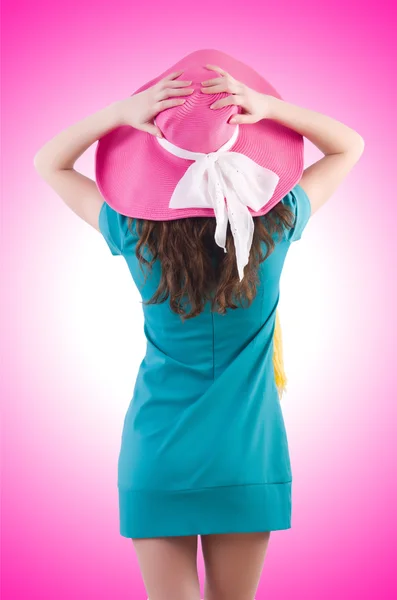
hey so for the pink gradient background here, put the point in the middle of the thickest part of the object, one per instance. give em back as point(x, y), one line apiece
point(73, 334)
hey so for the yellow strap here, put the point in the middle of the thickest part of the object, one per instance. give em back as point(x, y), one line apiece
point(278, 362)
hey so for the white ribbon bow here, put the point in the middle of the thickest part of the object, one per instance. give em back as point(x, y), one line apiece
point(219, 175)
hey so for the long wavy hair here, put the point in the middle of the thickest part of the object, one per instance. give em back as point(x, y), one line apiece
point(194, 269)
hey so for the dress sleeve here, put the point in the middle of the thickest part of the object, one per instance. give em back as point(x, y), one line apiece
point(299, 203)
point(113, 227)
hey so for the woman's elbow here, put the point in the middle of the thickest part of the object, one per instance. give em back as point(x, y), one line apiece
point(358, 146)
point(42, 165)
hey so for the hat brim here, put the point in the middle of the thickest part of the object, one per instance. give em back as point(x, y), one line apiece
point(137, 177)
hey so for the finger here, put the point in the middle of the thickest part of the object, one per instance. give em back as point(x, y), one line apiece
point(217, 69)
point(242, 118)
point(216, 89)
point(152, 129)
point(216, 81)
point(173, 75)
point(169, 93)
point(234, 99)
point(178, 83)
point(164, 104)
point(165, 81)
point(231, 87)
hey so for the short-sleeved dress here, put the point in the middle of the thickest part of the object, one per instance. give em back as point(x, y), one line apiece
point(203, 445)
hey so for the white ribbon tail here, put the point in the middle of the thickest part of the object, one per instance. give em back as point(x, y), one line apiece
point(248, 185)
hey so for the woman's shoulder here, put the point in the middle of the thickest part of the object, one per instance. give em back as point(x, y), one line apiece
point(118, 230)
point(299, 204)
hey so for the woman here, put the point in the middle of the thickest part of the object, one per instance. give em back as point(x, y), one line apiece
point(204, 450)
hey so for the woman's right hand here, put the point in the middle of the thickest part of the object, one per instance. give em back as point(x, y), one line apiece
point(139, 110)
point(254, 105)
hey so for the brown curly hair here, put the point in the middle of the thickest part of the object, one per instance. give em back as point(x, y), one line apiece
point(195, 269)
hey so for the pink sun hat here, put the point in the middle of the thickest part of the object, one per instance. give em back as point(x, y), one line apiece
point(204, 166)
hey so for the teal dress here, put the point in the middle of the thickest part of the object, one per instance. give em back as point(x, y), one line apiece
point(204, 446)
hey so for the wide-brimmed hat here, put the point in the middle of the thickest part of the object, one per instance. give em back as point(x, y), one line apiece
point(204, 165)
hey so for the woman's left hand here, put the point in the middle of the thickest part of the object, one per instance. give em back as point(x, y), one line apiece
point(256, 106)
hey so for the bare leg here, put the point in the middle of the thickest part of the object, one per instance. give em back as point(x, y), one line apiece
point(168, 567)
point(233, 564)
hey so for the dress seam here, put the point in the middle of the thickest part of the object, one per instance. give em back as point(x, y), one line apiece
point(213, 346)
point(215, 487)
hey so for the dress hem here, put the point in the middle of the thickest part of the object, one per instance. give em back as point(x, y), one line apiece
point(226, 509)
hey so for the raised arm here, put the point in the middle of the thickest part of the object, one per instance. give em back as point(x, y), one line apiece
point(341, 145)
point(55, 163)
point(55, 160)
